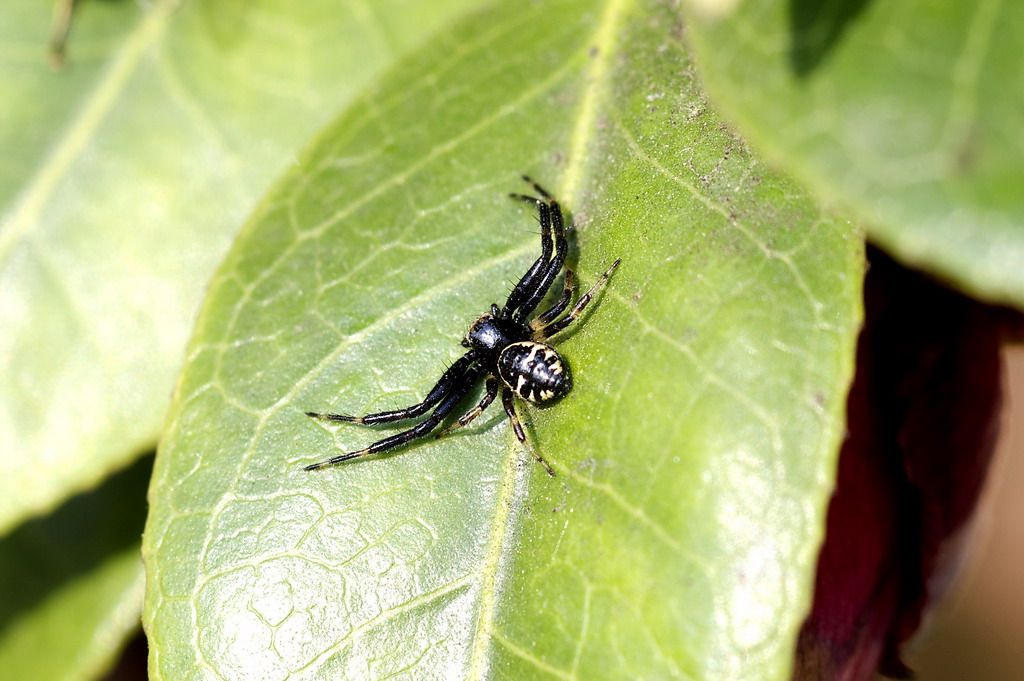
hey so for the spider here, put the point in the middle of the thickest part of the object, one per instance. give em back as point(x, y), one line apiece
point(503, 347)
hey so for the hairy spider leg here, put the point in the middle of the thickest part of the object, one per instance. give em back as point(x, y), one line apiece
point(508, 401)
point(551, 329)
point(421, 429)
point(526, 282)
point(559, 307)
point(490, 393)
point(444, 385)
point(527, 198)
point(554, 267)
point(539, 189)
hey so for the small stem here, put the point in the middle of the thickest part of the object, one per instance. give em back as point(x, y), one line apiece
point(59, 30)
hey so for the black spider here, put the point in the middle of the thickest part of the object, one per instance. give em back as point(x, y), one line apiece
point(502, 345)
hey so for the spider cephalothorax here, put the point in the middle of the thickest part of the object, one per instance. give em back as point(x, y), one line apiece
point(503, 347)
point(531, 369)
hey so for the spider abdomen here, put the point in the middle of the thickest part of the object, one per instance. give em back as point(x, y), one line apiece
point(534, 371)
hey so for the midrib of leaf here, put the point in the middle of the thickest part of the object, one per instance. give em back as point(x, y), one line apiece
point(583, 129)
point(513, 487)
point(82, 127)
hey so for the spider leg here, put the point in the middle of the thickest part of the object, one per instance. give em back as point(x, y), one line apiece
point(485, 401)
point(551, 329)
point(550, 214)
point(444, 385)
point(559, 307)
point(508, 401)
point(543, 283)
point(540, 190)
point(527, 281)
point(527, 198)
point(419, 430)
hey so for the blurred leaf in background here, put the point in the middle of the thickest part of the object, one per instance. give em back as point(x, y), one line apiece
point(909, 113)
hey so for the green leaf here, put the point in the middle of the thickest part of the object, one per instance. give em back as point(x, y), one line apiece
point(123, 179)
point(694, 456)
point(909, 113)
point(71, 583)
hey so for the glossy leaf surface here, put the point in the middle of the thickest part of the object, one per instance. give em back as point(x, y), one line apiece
point(694, 456)
point(123, 179)
point(908, 112)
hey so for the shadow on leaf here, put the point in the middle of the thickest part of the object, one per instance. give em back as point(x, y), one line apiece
point(45, 554)
point(816, 28)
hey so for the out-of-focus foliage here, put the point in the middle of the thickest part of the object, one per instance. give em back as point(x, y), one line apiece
point(909, 113)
